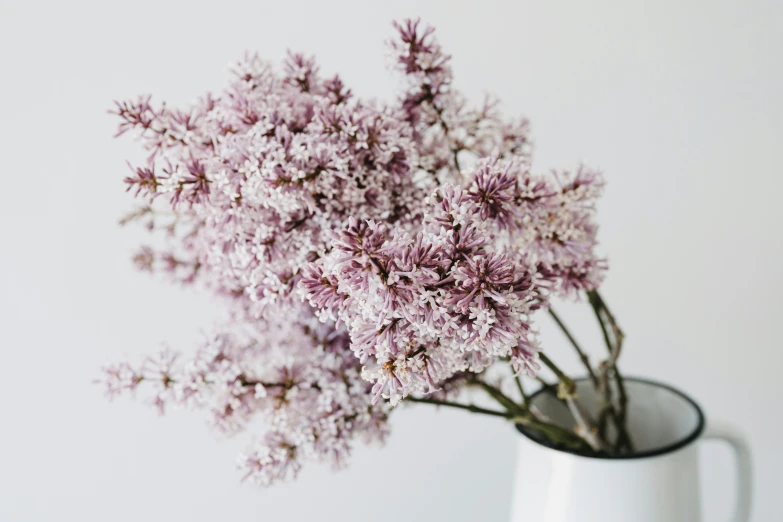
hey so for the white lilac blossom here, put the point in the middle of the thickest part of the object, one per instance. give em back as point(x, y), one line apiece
point(416, 230)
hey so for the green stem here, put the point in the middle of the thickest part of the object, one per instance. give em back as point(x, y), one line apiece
point(599, 305)
point(579, 351)
point(553, 432)
point(468, 407)
point(609, 368)
point(516, 413)
point(499, 396)
point(525, 398)
point(549, 387)
point(567, 386)
point(595, 303)
point(566, 391)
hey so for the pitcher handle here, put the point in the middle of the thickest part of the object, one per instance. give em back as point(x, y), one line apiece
point(721, 430)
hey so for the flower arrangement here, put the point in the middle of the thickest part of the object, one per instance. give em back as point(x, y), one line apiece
point(371, 254)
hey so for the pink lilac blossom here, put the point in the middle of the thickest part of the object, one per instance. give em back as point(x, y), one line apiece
point(457, 294)
point(286, 192)
point(298, 379)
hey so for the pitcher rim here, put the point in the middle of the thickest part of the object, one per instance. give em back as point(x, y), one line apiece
point(656, 452)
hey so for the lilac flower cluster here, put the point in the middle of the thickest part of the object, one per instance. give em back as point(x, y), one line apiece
point(298, 381)
point(458, 295)
point(416, 230)
point(263, 172)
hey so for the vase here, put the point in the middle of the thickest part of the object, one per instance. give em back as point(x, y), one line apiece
point(656, 482)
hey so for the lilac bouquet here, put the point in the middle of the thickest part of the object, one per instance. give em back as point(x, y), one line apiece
point(370, 253)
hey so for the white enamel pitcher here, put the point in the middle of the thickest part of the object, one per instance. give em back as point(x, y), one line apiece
point(659, 482)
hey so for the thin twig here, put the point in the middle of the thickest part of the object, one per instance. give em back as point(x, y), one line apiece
point(596, 305)
point(586, 429)
point(469, 407)
point(547, 386)
point(609, 368)
point(567, 386)
point(599, 305)
point(526, 418)
point(579, 351)
point(553, 432)
point(499, 396)
point(525, 398)
point(566, 391)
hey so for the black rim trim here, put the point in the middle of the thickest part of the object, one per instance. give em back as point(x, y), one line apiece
point(638, 455)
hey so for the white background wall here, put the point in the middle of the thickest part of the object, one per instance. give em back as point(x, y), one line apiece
point(678, 101)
